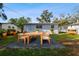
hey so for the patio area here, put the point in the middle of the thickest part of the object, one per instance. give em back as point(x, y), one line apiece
point(35, 43)
point(11, 42)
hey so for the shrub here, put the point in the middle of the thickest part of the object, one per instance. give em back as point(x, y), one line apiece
point(10, 30)
point(35, 52)
point(2, 31)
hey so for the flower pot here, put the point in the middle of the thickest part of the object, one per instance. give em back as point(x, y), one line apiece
point(14, 33)
point(11, 33)
point(4, 34)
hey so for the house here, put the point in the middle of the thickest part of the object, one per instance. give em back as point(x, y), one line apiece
point(63, 28)
point(74, 27)
point(36, 26)
point(9, 25)
point(30, 27)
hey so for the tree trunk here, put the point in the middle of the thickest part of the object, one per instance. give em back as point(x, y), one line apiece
point(22, 29)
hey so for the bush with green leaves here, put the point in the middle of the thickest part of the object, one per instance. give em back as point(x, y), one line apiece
point(35, 52)
point(2, 31)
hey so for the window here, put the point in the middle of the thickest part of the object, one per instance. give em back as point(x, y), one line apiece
point(38, 26)
point(52, 26)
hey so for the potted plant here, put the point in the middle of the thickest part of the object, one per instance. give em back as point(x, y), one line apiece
point(14, 30)
point(9, 30)
point(4, 34)
point(1, 31)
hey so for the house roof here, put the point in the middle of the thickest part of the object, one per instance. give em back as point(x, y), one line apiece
point(39, 23)
point(75, 24)
point(6, 23)
point(33, 23)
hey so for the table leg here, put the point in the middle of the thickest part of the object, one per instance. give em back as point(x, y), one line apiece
point(24, 42)
point(18, 41)
point(49, 41)
point(28, 41)
point(41, 40)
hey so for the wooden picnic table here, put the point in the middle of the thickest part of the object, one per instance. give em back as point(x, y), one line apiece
point(29, 34)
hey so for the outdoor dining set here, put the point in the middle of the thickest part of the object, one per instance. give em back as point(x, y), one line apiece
point(26, 37)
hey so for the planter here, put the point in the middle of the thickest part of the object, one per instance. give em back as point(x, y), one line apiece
point(11, 33)
point(14, 33)
point(4, 34)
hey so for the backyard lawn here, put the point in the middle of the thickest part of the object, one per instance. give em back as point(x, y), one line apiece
point(56, 37)
point(37, 51)
point(5, 41)
point(64, 36)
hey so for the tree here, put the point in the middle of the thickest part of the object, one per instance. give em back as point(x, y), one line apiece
point(13, 20)
point(45, 17)
point(2, 14)
point(55, 20)
point(71, 19)
point(20, 22)
point(63, 20)
point(28, 19)
point(1, 5)
point(75, 17)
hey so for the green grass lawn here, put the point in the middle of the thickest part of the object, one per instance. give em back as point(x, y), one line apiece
point(64, 36)
point(7, 40)
point(56, 37)
point(37, 52)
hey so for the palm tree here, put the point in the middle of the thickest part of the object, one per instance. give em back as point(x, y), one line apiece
point(45, 17)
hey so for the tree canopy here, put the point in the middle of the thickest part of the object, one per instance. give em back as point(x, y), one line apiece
point(45, 17)
point(20, 22)
point(2, 14)
point(1, 5)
